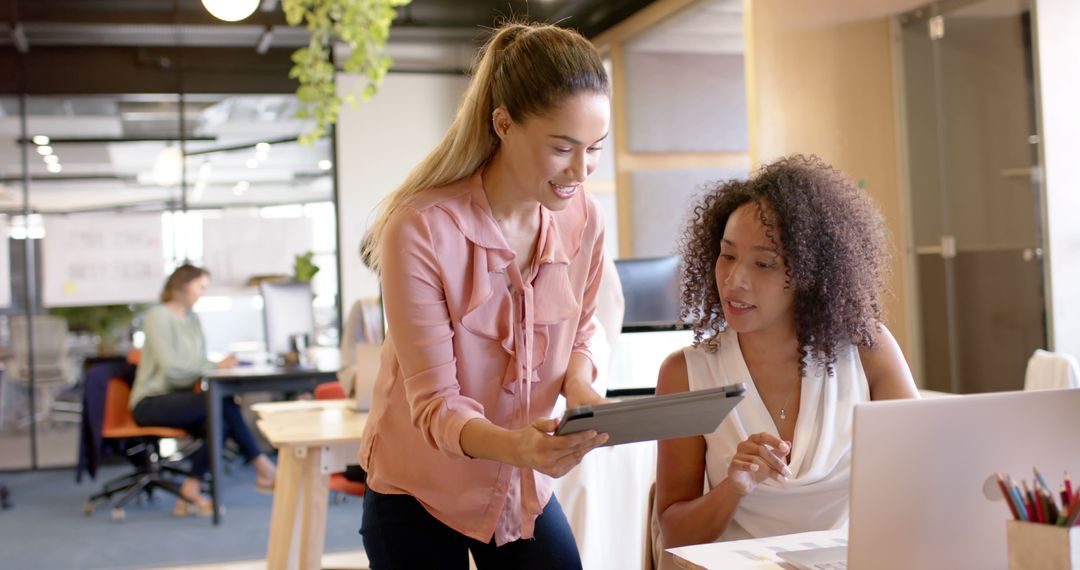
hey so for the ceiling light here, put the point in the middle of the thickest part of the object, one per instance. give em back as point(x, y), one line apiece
point(167, 166)
point(41, 140)
point(262, 147)
point(231, 10)
point(241, 187)
point(264, 41)
point(44, 150)
point(51, 159)
point(18, 37)
point(201, 180)
point(54, 168)
point(251, 162)
point(325, 164)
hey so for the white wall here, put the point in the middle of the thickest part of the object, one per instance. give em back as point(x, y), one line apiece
point(378, 143)
point(1058, 44)
point(685, 102)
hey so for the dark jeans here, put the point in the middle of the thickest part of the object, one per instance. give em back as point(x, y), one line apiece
point(187, 411)
point(399, 534)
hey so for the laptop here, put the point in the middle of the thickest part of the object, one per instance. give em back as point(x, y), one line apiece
point(923, 487)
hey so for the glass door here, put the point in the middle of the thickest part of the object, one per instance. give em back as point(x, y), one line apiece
point(975, 191)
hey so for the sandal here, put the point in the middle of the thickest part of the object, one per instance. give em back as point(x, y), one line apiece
point(200, 506)
point(265, 485)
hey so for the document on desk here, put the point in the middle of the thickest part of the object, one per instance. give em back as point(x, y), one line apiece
point(756, 553)
point(263, 408)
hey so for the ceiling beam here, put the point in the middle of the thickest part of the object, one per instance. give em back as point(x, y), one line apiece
point(639, 22)
point(55, 70)
point(32, 12)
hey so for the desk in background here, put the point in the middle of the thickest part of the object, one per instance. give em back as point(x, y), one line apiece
point(219, 384)
point(314, 439)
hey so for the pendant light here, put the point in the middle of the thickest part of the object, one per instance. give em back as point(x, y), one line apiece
point(231, 10)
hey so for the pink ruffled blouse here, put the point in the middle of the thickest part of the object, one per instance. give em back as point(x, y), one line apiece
point(469, 339)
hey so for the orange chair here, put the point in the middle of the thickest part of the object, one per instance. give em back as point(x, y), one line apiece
point(150, 472)
point(330, 391)
point(339, 485)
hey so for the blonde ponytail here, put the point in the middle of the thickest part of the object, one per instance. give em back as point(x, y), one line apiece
point(528, 68)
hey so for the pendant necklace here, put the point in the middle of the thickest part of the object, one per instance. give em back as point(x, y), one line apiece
point(783, 413)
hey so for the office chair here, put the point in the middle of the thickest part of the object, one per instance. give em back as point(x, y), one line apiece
point(340, 486)
point(151, 469)
point(51, 367)
point(1051, 371)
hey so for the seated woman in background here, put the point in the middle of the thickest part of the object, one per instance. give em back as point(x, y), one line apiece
point(173, 359)
point(782, 281)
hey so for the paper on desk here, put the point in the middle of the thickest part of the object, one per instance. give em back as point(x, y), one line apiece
point(297, 406)
point(757, 553)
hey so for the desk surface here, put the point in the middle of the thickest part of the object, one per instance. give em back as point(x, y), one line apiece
point(302, 425)
point(756, 553)
point(268, 371)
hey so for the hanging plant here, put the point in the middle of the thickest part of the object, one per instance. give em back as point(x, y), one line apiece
point(363, 25)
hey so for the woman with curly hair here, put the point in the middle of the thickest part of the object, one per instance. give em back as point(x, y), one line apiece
point(782, 280)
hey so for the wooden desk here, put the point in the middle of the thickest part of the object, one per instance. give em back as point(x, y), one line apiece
point(220, 384)
point(314, 439)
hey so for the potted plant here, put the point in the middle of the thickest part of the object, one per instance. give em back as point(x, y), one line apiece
point(304, 269)
point(109, 323)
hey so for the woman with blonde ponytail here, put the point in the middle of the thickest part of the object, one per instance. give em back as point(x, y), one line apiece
point(490, 255)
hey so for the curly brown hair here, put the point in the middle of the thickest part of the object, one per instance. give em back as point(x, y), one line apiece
point(832, 240)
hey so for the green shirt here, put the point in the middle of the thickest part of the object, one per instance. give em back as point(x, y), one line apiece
point(173, 355)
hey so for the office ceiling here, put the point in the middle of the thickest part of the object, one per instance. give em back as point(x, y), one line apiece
point(113, 147)
point(186, 22)
point(102, 77)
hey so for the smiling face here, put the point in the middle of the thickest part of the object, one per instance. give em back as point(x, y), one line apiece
point(551, 155)
point(751, 275)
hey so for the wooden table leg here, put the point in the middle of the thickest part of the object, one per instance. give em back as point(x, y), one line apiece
point(282, 551)
point(313, 519)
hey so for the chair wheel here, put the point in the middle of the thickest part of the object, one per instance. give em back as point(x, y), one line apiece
point(118, 515)
point(88, 508)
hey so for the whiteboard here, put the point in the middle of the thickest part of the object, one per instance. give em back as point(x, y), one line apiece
point(102, 259)
point(5, 265)
point(235, 248)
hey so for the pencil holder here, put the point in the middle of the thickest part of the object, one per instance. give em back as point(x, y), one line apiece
point(1034, 546)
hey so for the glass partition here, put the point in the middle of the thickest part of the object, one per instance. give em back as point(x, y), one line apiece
point(122, 189)
point(969, 95)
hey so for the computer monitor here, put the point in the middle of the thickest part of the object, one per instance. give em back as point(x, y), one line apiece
point(287, 311)
point(651, 289)
point(923, 487)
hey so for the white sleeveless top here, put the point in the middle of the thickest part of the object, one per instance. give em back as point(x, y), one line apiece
point(816, 496)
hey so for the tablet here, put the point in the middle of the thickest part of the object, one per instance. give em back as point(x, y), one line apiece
point(656, 417)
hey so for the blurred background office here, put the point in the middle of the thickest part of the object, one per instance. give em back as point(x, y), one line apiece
point(137, 135)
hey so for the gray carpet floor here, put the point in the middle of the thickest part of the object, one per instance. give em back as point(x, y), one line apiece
point(46, 527)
